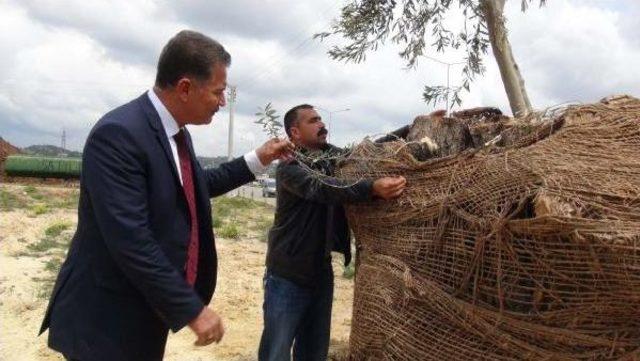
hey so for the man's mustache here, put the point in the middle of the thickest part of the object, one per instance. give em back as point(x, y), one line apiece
point(322, 131)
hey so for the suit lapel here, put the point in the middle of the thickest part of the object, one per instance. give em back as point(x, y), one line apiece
point(161, 135)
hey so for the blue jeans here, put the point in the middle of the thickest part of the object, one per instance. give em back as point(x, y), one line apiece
point(298, 316)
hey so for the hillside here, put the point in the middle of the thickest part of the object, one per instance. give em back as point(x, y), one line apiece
point(49, 150)
point(6, 149)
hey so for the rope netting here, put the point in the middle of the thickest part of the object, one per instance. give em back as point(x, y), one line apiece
point(528, 251)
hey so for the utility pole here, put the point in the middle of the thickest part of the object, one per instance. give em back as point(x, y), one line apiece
point(63, 141)
point(448, 65)
point(232, 100)
point(330, 112)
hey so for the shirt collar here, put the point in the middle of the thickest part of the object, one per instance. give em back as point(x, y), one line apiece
point(168, 121)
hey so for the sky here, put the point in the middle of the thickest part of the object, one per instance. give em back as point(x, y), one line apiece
point(66, 63)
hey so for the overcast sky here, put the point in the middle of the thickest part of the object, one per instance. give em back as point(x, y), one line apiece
point(65, 63)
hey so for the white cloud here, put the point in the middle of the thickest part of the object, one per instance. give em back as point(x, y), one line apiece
point(61, 79)
point(573, 51)
point(132, 31)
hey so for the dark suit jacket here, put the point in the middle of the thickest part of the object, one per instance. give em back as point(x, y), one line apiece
point(122, 285)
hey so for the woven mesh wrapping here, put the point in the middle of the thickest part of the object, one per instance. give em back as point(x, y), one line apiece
point(526, 252)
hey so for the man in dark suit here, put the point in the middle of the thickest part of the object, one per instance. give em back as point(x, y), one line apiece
point(143, 258)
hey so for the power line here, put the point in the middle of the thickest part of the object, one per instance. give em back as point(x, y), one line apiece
point(271, 66)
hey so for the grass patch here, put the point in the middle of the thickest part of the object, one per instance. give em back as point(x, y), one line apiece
point(55, 229)
point(263, 224)
point(222, 210)
point(38, 200)
point(9, 201)
point(229, 230)
point(217, 222)
point(51, 241)
point(33, 192)
point(237, 202)
point(227, 206)
point(69, 201)
point(53, 245)
point(44, 245)
point(236, 217)
point(38, 209)
point(262, 227)
point(52, 267)
point(51, 248)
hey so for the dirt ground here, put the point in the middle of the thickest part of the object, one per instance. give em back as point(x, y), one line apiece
point(24, 271)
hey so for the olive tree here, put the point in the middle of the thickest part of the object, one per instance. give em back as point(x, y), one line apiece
point(418, 26)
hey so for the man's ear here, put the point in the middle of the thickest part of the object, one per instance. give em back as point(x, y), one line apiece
point(183, 88)
point(295, 133)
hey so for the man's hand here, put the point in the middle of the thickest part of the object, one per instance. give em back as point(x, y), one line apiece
point(208, 327)
point(389, 187)
point(273, 149)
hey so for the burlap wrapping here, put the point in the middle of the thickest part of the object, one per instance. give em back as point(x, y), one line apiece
point(525, 252)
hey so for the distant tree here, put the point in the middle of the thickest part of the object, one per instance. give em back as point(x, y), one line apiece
point(417, 25)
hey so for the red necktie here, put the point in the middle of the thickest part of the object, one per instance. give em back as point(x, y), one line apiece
point(191, 267)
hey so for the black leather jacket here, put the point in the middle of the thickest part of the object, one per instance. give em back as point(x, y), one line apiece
point(310, 220)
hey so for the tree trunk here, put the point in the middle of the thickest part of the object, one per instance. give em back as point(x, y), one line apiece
point(511, 78)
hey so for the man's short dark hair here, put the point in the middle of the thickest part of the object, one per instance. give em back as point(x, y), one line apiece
point(291, 117)
point(191, 54)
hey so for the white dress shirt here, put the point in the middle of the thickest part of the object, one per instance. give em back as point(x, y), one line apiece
point(171, 128)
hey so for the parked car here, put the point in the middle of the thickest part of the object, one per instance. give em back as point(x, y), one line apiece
point(269, 188)
point(261, 179)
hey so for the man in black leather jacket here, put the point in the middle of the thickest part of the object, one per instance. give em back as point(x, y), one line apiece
point(309, 223)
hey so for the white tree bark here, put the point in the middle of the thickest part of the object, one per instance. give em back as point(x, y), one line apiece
point(511, 77)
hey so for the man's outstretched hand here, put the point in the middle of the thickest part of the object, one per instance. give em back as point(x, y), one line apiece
point(273, 149)
point(389, 187)
point(208, 327)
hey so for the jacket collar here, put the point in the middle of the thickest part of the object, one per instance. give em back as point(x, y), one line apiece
point(161, 135)
point(169, 123)
point(152, 115)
